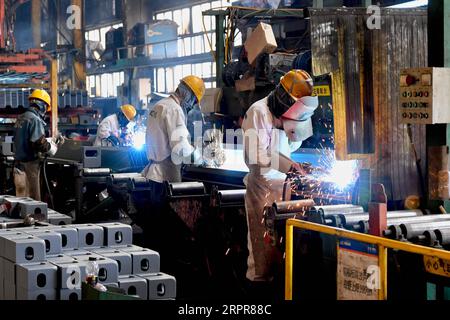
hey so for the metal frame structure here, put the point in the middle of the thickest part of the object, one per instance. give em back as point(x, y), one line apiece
point(382, 244)
point(240, 13)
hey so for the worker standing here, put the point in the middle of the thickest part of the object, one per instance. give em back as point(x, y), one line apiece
point(168, 147)
point(110, 129)
point(29, 142)
point(274, 127)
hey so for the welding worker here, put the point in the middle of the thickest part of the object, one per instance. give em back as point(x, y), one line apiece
point(168, 144)
point(110, 129)
point(29, 142)
point(273, 128)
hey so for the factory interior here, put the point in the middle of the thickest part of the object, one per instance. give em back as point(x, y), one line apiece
point(207, 150)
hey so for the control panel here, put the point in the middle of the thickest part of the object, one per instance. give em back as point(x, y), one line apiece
point(425, 96)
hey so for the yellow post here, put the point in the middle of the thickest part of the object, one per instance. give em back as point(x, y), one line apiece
point(36, 22)
point(289, 260)
point(54, 95)
point(382, 264)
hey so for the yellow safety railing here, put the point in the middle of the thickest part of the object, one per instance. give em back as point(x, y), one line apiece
point(382, 243)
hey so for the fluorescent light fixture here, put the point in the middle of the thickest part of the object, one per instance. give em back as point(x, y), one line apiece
point(410, 4)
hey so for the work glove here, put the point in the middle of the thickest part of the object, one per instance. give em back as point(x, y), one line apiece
point(59, 139)
point(113, 140)
point(53, 148)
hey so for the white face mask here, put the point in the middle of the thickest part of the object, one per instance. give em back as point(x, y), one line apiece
point(298, 131)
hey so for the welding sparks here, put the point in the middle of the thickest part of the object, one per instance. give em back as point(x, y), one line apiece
point(342, 174)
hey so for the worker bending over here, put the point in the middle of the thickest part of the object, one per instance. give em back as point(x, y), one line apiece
point(109, 131)
point(29, 142)
point(274, 127)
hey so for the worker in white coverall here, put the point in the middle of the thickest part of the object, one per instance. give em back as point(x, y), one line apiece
point(109, 131)
point(168, 143)
point(274, 127)
point(29, 143)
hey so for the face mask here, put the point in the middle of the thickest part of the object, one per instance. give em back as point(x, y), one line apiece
point(298, 131)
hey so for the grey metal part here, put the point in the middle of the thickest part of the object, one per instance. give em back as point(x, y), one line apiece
point(70, 275)
point(352, 219)
point(108, 268)
point(411, 230)
point(9, 291)
point(53, 241)
point(60, 258)
point(92, 157)
point(134, 285)
point(90, 236)
point(123, 259)
point(37, 210)
point(26, 250)
point(24, 295)
point(364, 225)
point(59, 219)
point(1, 278)
point(9, 272)
point(443, 235)
point(69, 294)
point(233, 196)
point(76, 252)
point(69, 237)
point(118, 234)
point(34, 277)
point(161, 286)
point(145, 261)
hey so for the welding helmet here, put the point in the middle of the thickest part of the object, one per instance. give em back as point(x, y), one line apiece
point(197, 86)
point(41, 100)
point(297, 120)
point(129, 112)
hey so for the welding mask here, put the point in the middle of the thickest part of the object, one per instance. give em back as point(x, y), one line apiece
point(41, 107)
point(187, 97)
point(297, 120)
point(280, 101)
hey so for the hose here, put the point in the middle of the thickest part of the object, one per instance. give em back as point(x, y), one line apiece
point(44, 167)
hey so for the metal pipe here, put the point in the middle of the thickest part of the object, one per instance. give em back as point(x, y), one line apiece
point(293, 206)
point(411, 230)
point(392, 223)
point(96, 172)
point(123, 177)
point(232, 196)
point(187, 188)
point(443, 236)
point(338, 209)
point(353, 219)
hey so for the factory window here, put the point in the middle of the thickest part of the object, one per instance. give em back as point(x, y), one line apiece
point(99, 34)
point(105, 85)
point(197, 36)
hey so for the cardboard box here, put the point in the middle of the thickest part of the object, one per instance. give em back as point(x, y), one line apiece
point(211, 101)
point(262, 40)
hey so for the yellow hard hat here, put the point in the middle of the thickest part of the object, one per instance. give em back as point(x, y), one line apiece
point(298, 83)
point(197, 86)
point(412, 202)
point(43, 96)
point(129, 111)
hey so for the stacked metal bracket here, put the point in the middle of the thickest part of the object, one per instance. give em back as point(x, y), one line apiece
point(49, 263)
point(14, 210)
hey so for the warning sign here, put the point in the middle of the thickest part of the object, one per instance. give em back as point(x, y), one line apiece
point(358, 276)
point(321, 91)
point(437, 266)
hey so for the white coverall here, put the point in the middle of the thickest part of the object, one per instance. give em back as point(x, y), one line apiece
point(264, 184)
point(108, 127)
point(167, 141)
